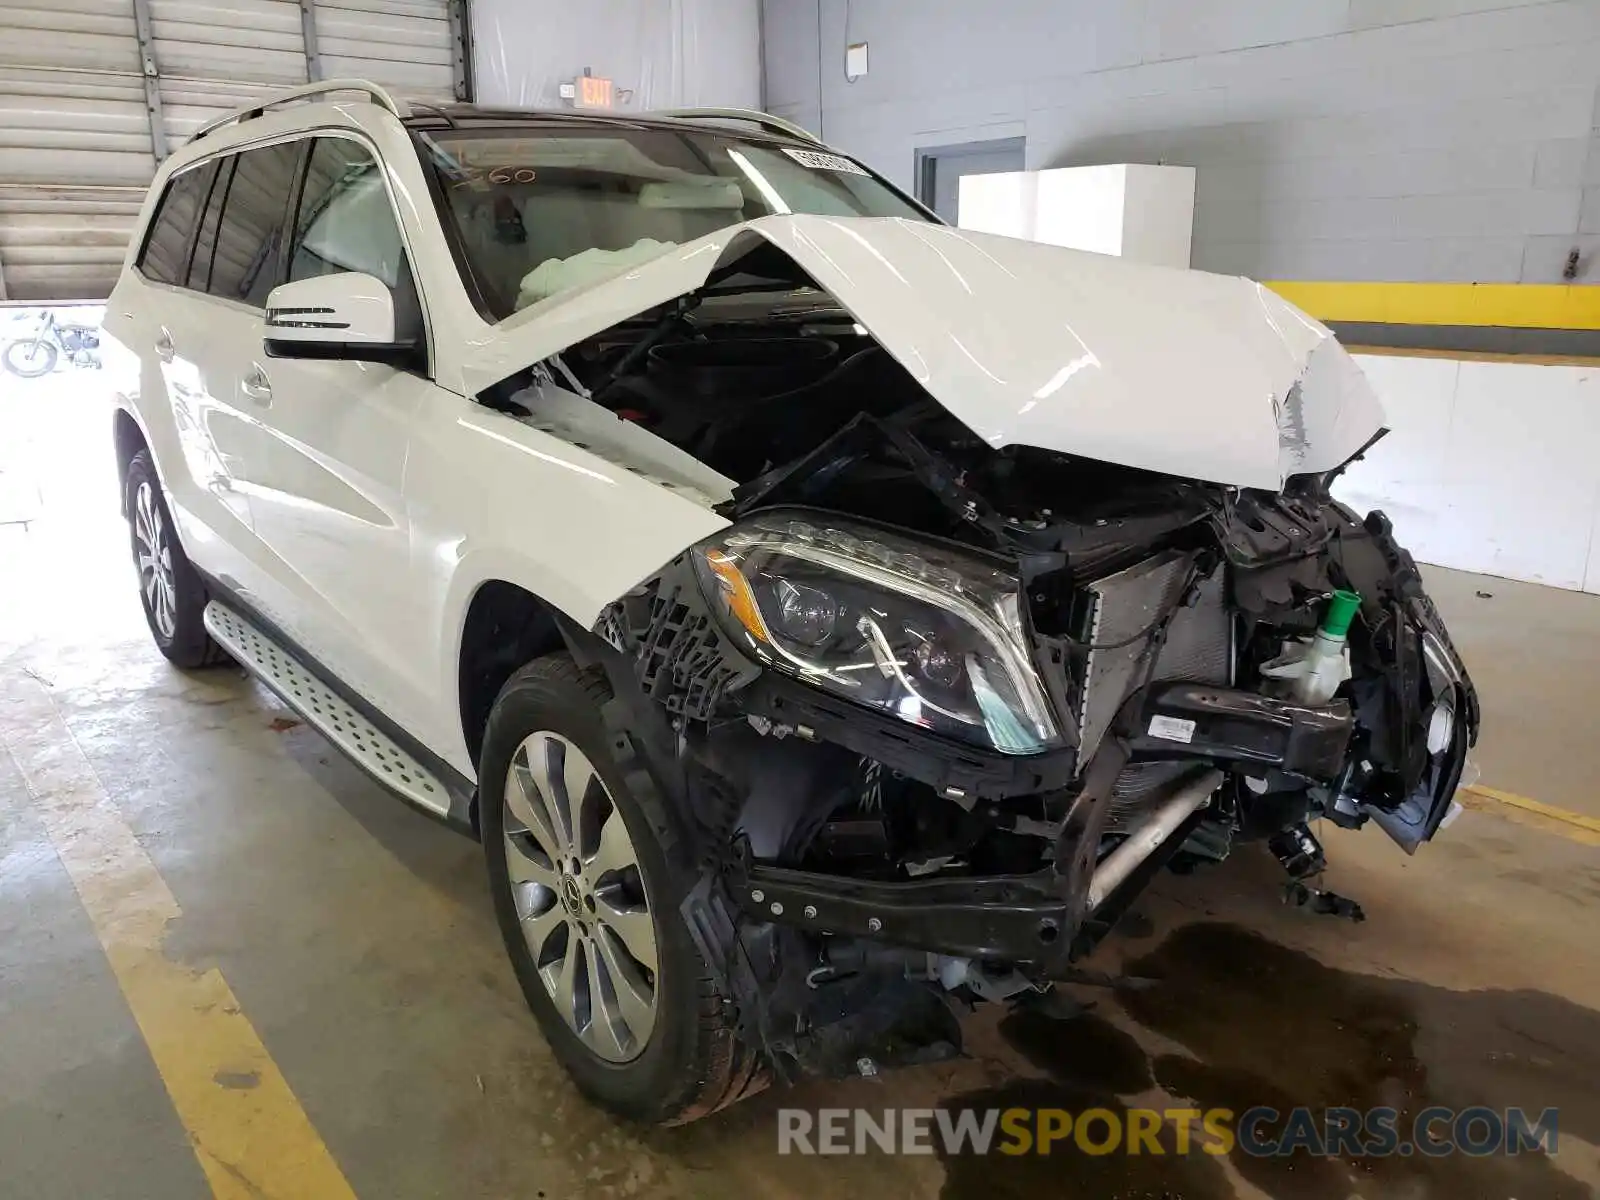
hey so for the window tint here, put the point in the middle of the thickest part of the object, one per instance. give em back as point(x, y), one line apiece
point(345, 222)
point(166, 249)
point(205, 242)
point(249, 241)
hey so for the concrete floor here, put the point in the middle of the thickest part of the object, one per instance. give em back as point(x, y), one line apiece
point(357, 938)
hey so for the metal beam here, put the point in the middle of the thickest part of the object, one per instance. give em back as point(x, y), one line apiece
point(460, 49)
point(151, 73)
point(308, 32)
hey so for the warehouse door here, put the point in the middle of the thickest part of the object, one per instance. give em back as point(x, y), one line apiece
point(94, 93)
point(940, 168)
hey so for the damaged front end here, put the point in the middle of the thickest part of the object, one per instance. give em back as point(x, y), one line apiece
point(935, 710)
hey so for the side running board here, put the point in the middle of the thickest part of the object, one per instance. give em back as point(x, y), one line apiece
point(325, 710)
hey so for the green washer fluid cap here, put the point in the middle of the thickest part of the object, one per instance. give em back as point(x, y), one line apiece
point(1341, 610)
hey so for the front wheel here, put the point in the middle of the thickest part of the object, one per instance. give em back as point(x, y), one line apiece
point(170, 589)
point(32, 358)
point(588, 904)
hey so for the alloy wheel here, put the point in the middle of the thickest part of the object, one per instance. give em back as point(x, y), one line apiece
point(580, 896)
point(153, 552)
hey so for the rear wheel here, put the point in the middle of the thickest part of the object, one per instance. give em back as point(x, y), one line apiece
point(31, 358)
point(170, 589)
point(588, 904)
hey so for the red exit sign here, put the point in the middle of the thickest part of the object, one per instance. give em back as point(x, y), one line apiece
point(594, 92)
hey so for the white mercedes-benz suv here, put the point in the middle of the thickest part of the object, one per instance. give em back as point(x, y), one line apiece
point(826, 619)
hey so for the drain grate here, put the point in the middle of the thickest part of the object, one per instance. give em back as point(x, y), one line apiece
point(322, 707)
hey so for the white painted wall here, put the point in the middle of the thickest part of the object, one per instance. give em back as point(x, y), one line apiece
point(1132, 210)
point(660, 53)
point(1489, 466)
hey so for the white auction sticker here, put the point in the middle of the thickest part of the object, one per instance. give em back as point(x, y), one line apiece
point(1173, 729)
point(819, 161)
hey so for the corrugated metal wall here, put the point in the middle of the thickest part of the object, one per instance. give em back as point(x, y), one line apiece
point(75, 147)
point(402, 43)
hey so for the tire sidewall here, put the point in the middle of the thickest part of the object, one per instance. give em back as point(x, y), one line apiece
point(650, 1086)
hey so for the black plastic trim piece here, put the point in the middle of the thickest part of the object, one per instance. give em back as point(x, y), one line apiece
point(462, 790)
point(1015, 918)
point(1229, 725)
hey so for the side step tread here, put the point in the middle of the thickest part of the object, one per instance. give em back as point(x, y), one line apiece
point(325, 710)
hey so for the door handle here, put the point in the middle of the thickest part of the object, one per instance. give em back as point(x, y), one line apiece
point(164, 348)
point(256, 385)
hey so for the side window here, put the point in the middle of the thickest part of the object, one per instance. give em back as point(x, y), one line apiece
point(205, 241)
point(345, 221)
point(246, 260)
point(165, 255)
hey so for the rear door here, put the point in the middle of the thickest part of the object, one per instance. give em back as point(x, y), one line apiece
point(236, 259)
point(170, 329)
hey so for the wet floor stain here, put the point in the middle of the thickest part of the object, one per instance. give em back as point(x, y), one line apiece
point(1068, 1173)
point(1268, 1026)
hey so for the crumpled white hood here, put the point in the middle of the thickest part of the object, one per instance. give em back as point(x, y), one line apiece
point(1191, 374)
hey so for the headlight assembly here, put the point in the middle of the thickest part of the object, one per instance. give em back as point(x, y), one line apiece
point(924, 632)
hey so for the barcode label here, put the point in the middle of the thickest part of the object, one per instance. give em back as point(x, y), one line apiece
point(1172, 729)
point(819, 161)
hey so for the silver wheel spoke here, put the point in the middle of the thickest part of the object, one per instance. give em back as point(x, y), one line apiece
point(576, 776)
point(547, 760)
point(525, 869)
point(608, 1031)
point(540, 927)
point(528, 805)
point(563, 979)
point(633, 996)
point(615, 850)
point(547, 774)
point(541, 915)
point(633, 928)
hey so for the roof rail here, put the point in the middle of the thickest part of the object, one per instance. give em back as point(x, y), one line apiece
point(305, 91)
point(764, 120)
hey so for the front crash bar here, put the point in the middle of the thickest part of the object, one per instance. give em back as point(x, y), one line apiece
point(1017, 918)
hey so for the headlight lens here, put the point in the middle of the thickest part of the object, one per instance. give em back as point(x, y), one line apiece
point(924, 632)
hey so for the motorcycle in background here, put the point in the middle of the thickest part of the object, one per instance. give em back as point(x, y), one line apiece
point(31, 357)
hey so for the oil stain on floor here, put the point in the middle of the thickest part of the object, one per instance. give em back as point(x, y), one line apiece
point(1266, 1025)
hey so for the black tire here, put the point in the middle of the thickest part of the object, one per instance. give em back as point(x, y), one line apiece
point(41, 360)
point(692, 1063)
point(186, 644)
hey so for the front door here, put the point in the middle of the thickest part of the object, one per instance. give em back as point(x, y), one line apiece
point(326, 486)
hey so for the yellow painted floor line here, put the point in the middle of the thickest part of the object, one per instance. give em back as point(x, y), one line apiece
point(1576, 826)
point(248, 1131)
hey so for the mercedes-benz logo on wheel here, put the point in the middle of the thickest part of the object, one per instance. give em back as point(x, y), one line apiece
point(571, 897)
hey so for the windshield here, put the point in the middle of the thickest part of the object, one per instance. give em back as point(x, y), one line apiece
point(537, 213)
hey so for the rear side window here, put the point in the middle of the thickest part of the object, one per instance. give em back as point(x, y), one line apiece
point(165, 257)
point(205, 242)
point(247, 259)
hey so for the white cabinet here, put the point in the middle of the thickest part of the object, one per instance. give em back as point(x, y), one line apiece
point(1133, 210)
